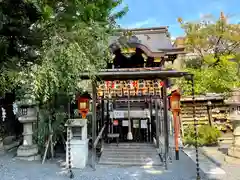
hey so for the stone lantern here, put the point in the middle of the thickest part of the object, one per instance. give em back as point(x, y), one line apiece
point(27, 116)
point(233, 155)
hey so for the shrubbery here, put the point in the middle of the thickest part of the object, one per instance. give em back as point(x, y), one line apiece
point(207, 135)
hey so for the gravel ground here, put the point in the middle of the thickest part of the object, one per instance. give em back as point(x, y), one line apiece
point(12, 169)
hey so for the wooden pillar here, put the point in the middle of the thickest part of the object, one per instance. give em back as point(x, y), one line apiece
point(108, 119)
point(94, 102)
point(102, 113)
point(129, 135)
point(151, 120)
point(157, 123)
point(209, 111)
point(165, 117)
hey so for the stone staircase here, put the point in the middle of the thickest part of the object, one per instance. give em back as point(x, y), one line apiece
point(130, 154)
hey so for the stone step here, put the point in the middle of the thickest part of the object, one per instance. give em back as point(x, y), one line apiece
point(129, 149)
point(130, 154)
point(131, 157)
point(131, 161)
point(225, 141)
point(130, 145)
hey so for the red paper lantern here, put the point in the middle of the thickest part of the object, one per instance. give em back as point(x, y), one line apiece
point(113, 85)
point(161, 84)
point(135, 84)
point(175, 107)
point(107, 84)
point(175, 101)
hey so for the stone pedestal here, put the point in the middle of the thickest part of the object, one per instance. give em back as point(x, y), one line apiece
point(28, 151)
point(233, 155)
point(1, 146)
point(78, 143)
point(10, 143)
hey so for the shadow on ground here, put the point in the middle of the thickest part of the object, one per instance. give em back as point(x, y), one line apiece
point(12, 169)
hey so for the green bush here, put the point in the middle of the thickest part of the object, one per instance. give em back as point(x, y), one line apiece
point(207, 135)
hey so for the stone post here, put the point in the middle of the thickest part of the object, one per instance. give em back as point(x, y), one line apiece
point(233, 155)
point(77, 144)
point(28, 115)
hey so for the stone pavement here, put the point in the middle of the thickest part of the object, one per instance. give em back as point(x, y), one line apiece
point(211, 170)
point(217, 156)
point(12, 169)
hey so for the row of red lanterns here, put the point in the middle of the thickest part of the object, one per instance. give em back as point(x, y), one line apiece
point(83, 103)
point(134, 83)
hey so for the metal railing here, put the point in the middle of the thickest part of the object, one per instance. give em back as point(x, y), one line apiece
point(99, 136)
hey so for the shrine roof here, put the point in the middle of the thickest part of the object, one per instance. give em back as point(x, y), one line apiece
point(135, 74)
point(155, 40)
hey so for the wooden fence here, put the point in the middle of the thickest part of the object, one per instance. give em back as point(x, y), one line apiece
point(209, 110)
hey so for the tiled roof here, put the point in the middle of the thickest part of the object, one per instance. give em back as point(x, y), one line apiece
point(155, 39)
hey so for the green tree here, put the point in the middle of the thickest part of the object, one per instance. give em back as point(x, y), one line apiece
point(210, 36)
point(78, 33)
point(23, 30)
point(69, 12)
point(19, 40)
point(77, 40)
point(215, 45)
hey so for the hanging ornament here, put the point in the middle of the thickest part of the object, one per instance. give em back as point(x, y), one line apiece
point(161, 83)
point(107, 84)
point(113, 85)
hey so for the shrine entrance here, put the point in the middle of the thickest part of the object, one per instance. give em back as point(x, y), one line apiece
point(130, 103)
point(129, 108)
point(121, 124)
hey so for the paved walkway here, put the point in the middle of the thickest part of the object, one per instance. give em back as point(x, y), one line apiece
point(12, 169)
point(232, 171)
point(211, 170)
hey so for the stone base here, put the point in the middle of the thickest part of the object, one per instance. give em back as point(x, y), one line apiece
point(1, 147)
point(79, 153)
point(36, 157)
point(9, 143)
point(8, 140)
point(29, 153)
point(234, 151)
point(232, 160)
point(233, 156)
point(11, 146)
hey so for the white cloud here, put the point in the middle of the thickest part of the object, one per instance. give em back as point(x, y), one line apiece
point(140, 24)
point(173, 38)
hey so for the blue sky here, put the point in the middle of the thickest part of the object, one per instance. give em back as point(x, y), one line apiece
point(154, 13)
